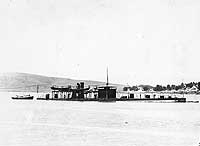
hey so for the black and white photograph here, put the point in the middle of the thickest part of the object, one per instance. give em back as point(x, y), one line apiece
point(99, 73)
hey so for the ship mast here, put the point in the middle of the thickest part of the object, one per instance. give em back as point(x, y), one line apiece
point(107, 77)
point(107, 85)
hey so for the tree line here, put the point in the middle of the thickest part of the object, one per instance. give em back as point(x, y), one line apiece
point(168, 87)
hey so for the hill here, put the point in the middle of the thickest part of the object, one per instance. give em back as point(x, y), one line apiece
point(28, 82)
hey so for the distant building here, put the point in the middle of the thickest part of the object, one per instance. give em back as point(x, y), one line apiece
point(193, 89)
point(140, 89)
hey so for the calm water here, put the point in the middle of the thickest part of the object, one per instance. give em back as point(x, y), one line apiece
point(57, 123)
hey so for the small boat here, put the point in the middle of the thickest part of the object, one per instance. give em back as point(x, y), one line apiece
point(23, 97)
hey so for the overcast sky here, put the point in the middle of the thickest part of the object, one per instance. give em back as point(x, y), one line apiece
point(140, 41)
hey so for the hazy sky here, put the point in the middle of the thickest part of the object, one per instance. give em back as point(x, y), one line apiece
point(141, 41)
